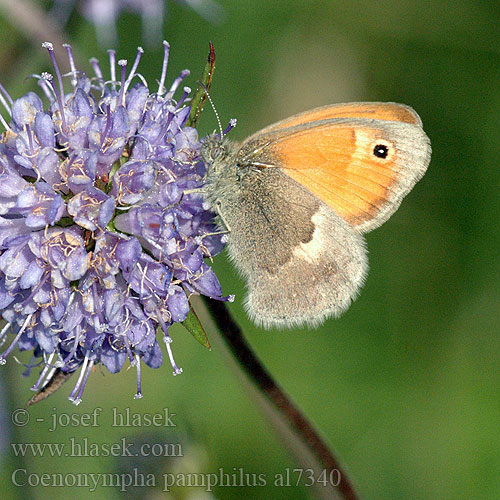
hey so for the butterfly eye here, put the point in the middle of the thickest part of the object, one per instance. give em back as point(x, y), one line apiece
point(220, 152)
point(212, 150)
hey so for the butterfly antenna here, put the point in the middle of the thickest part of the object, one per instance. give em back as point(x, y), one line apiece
point(213, 107)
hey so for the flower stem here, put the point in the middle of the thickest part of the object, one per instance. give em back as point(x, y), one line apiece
point(299, 434)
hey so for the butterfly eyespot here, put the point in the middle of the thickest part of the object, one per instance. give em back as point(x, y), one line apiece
point(381, 151)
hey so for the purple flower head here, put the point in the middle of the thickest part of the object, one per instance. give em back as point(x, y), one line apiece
point(103, 226)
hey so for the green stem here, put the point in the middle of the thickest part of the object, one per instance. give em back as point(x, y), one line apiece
point(299, 434)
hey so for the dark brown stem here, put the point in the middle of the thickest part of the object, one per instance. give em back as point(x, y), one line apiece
point(289, 413)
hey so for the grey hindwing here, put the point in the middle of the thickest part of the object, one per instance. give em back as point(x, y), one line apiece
point(302, 262)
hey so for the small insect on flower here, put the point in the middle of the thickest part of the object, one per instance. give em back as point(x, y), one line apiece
point(103, 230)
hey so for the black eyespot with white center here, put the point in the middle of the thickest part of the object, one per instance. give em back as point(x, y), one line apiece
point(381, 151)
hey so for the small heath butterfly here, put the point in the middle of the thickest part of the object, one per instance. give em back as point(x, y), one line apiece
point(297, 196)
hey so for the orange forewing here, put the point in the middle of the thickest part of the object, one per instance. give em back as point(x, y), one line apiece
point(330, 160)
point(370, 110)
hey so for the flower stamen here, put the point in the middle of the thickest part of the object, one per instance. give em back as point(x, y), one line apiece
point(166, 52)
point(50, 79)
point(85, 363)
point(50, 49)
point(177, 82)
point(140, 51)
point(112, 67)
point(44, 371)
point(138, 394)
point(4, 355)
point(168, 340)
point(71, 60)
point(78, 399)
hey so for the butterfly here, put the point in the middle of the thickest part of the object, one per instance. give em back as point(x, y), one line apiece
point(297, 196)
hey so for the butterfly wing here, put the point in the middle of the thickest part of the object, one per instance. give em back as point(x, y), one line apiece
point(321, 277)
point(302, 262)
point(360, 167)
point(373, 110)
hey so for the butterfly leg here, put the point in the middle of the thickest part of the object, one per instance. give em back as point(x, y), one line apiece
point(185, 192)
point(195, 191)
point(222, 219)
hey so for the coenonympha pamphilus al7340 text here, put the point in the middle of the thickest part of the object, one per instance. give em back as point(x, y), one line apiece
point(297, 196)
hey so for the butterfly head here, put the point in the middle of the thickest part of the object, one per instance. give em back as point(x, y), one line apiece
point(216, 152)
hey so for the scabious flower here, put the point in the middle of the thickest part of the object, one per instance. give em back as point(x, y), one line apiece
point(103, 228)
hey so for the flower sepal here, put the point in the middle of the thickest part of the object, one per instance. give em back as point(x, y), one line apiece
point(193, 325)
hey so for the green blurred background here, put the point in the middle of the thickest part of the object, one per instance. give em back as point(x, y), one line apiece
point(406, 385)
